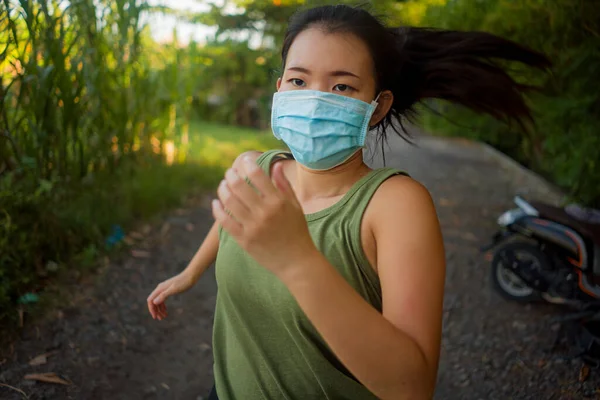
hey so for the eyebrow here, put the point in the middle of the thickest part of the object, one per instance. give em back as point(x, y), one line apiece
point(334, 73)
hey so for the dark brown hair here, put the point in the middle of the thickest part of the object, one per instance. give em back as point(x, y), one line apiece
point(416, 64)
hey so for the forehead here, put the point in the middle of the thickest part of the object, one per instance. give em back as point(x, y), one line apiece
point(318, 50)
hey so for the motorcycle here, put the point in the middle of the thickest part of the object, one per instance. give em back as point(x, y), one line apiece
point(542, 252)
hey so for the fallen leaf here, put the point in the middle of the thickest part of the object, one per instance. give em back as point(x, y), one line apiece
point(146, 229)
point(584, 373)
point(140, 253)
point(128, 241)
point(41, 359)
point(48, 377)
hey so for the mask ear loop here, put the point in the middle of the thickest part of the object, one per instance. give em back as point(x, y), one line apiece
point(375, 104)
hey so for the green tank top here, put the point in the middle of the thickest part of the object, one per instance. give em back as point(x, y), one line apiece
point(264, 345)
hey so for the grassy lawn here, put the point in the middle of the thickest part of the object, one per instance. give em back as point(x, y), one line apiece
point(142, 191)
point(218, 145)
point(62, 231)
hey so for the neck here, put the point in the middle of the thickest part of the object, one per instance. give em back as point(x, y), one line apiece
point(313, 185)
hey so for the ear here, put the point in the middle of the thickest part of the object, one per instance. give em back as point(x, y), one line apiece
point(386, 99)
point(278, 83)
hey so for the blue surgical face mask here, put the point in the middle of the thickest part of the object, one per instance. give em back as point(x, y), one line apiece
point(322, 129)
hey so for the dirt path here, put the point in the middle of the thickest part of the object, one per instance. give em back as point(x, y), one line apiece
point(109, 348)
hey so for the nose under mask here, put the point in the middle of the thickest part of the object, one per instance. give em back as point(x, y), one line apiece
point(322, 130)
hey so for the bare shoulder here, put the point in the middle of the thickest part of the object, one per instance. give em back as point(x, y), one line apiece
point(402, 201)
point(401, 191)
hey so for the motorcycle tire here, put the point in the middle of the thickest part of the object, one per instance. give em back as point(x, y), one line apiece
point(516, 290)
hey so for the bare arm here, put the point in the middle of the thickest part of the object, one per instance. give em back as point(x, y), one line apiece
point(207, 253)
point(204, 258)
point(395, 355)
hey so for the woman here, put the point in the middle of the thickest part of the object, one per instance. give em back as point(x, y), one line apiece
point(331, 275)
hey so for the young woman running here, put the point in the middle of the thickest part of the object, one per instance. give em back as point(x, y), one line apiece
point(331, 275)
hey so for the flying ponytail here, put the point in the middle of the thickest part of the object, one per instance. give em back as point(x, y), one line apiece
point(417, 64)
point(462, 68)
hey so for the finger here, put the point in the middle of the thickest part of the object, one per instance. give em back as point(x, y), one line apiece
point(151, 308)
point(154, 311)
point(162, 310)
point(230, 225)
point(259, 179)
point(232, 202)
point(150, 301)
point(162, 296)
point(242, 189)
point(156, 291)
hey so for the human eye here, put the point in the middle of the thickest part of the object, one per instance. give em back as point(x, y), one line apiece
point(297, 82)
point(343, 88)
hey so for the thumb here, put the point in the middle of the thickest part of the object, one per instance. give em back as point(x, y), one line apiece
point(282, 183)
point(163, 296)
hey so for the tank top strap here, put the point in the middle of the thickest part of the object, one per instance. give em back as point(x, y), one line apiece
point(266, 159)
point(364, 190)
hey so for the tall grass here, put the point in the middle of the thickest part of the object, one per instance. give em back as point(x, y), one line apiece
point(94, 129)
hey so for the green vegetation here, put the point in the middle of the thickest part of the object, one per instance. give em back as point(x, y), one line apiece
point(98, 130)
point(565, 144)
point(100, 126)
point(83, 121)
point(55, 226)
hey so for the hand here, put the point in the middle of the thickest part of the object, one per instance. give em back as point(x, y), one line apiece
point(175, 285)
point(266, 219)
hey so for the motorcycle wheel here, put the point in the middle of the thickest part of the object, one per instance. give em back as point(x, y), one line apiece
point(506, 282)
